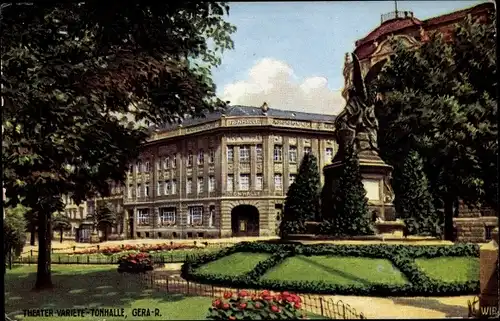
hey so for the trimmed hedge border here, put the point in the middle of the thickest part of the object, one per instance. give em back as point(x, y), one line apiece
point(401, 256)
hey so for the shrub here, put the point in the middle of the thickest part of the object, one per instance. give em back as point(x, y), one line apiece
point(243, 306)
point(135, 263)
point(141, 248)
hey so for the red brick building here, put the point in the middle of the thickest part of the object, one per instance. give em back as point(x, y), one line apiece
point(472, 225)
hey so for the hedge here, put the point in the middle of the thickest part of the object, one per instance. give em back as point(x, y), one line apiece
point(401, 256)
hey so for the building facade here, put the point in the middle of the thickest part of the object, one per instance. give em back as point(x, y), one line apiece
point(76, 214)
point(471, 224)
point(223, 175)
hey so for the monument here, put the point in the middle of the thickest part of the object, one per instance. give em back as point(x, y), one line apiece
point(357, 126)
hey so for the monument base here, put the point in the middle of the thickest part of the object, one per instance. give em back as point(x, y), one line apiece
point(376, 175)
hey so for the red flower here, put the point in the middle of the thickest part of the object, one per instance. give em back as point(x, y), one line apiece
point(225, 306)
point(285, 293)
point(297, 305)
point(228, 295)
point(243, 305)
point(133, 261)
point(264, 293)
point(243, 293)
point(216, 303)
point(232, 317)
point(268, 298)
point(275, 308)
point(258, 305)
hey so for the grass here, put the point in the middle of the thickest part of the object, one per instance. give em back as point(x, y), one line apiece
point(450, 269)
point(88, 286)
point(234, 264)
point(337, 270)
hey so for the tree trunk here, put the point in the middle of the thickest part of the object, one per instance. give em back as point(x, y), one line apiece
point(449, 209)
point(43, 275)
point(32, 236)
point(61, 235)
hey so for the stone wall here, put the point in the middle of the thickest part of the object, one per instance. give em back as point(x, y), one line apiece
point(474, 229)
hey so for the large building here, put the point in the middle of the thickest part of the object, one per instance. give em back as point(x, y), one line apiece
point(472, 225)
point(223, 175)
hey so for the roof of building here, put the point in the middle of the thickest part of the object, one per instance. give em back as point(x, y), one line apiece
point(250, 111)
point(365, 48)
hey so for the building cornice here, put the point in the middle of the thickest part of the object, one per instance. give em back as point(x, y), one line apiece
point(244, 122)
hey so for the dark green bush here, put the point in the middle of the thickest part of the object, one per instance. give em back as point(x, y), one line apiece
point(401, 256)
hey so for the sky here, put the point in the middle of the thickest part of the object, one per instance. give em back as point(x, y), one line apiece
point(291, 54)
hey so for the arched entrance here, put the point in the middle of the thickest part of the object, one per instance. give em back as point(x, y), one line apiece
point(245, 220)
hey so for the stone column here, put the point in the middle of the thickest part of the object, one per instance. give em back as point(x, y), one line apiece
point(488, 277)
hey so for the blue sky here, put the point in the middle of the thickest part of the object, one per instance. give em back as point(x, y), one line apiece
point(291, 54)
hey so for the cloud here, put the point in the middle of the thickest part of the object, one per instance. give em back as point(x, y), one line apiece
point(274, 82)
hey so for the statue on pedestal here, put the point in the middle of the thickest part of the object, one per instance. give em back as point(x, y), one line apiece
point(357, 125)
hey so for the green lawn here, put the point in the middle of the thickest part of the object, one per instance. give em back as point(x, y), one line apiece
point(234, 264)
point(450, 269)
point(337, 270)
point(88, 286)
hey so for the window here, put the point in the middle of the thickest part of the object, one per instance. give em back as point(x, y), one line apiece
point(328, 154)
point(278, 181)
point(258, 152)
point(138, 167)
point(487, 232)
point(211, 184)
point(291, 179)
point(189, 186)
point(143, 216)
point(190, 159)
point(244, 182)
point(200, 184)
point(244, 154)
point(166, 163)
point(292, 154)
point(130, 168)
point(211, 214)
point(158, 165)
point(174, 161)
point(139, 190)
point(129, 191)
point(307, 150)
point(168, 188)
point(259, 179)
point(167, 216)
point(174, 187)
point(230, 154)
point(147, 167)
point(211, 156)
point(230, 183)
point(195, 215)
point(159, 189)
point(146, 190)
point(278, 153)
point(201, 157)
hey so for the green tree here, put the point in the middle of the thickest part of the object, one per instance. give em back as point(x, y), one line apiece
point(440, 100)
point(14, 230)
point(78, 80)
point(302, 201)
point(104, 218)
point(414, 202)
point(61, 222)
point(348, 213)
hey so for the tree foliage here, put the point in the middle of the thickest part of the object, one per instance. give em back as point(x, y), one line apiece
point(61, 222)
point(75, 75)
point(440, 100)
point(104, 218)
point(414, 202)
point(302, 201)
point(347, 214)
point(14, 231)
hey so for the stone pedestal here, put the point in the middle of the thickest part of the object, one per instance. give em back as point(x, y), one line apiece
point(488, 299)
point(376, 176)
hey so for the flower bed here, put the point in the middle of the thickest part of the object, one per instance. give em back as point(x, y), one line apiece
point(243, 306)
point(139, 248)
point(402, 258)
point(135, 263)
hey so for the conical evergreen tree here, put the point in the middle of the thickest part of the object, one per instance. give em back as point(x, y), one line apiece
point(302, 201)
point(414, 203)
point(349, 205)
